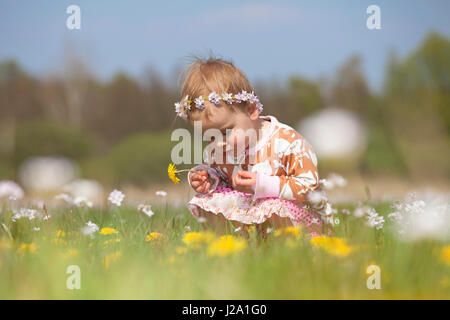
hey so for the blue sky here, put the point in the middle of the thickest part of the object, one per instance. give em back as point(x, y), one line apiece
point(266, 39)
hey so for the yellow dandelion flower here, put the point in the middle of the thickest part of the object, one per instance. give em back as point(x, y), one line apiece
point(445, 254)
point(333, 245)
point(107, 231)
point(27, 247)
point(111, 258)
point(226, 245)
point(196, 239)
point(154, 236)
point(172, 170)
point(289, 231)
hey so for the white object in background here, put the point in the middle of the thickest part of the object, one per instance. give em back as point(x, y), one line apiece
point(89, 189)
point(47, 173)
point(334, 133)
point(10, 190)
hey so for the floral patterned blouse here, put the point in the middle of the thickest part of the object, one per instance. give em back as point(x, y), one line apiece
point(285, 163)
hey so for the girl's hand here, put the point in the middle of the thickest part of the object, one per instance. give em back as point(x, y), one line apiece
point(243, 181)
point(199, 181)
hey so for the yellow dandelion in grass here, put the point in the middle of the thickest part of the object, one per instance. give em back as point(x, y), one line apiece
point(107, 231)
point(333, 245)
point(226, 245)
point(111, 258)
point(27, 247)
point(289, 231)
point(196, 239)
point(154, 236)
point(445, 254)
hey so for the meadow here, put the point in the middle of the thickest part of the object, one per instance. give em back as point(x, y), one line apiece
point(161, 252)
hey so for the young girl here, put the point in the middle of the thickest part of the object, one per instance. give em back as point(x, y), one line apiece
point(263, 179)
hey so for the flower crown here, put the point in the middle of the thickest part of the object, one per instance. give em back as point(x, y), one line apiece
point(183, 106)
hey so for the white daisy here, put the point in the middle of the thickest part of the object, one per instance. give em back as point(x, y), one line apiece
point(116, 197)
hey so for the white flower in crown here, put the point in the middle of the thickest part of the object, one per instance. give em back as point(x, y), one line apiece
point(179, 110)
point(252, 98)
point(228, 98)
point(214, 98)
point(199, 103)
point(241, 96)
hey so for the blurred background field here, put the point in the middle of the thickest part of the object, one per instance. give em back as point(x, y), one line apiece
point(118, 131)
point(375, 104)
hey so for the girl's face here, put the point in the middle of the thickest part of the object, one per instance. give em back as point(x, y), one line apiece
point(238, 129)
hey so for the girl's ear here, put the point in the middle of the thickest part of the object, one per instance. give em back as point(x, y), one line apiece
point(252, 111)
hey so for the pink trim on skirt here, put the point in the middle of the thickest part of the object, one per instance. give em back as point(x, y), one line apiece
point(238, 206)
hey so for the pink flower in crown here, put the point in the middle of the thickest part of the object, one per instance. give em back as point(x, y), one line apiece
point(199, 103)
point(214, 98)
point(228, 98)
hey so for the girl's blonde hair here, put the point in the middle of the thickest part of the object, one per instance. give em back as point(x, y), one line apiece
point(204, 76)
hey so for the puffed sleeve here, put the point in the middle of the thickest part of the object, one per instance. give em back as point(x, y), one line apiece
point(295, 167)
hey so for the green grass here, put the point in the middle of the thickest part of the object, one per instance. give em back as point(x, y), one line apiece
point(277, 268)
